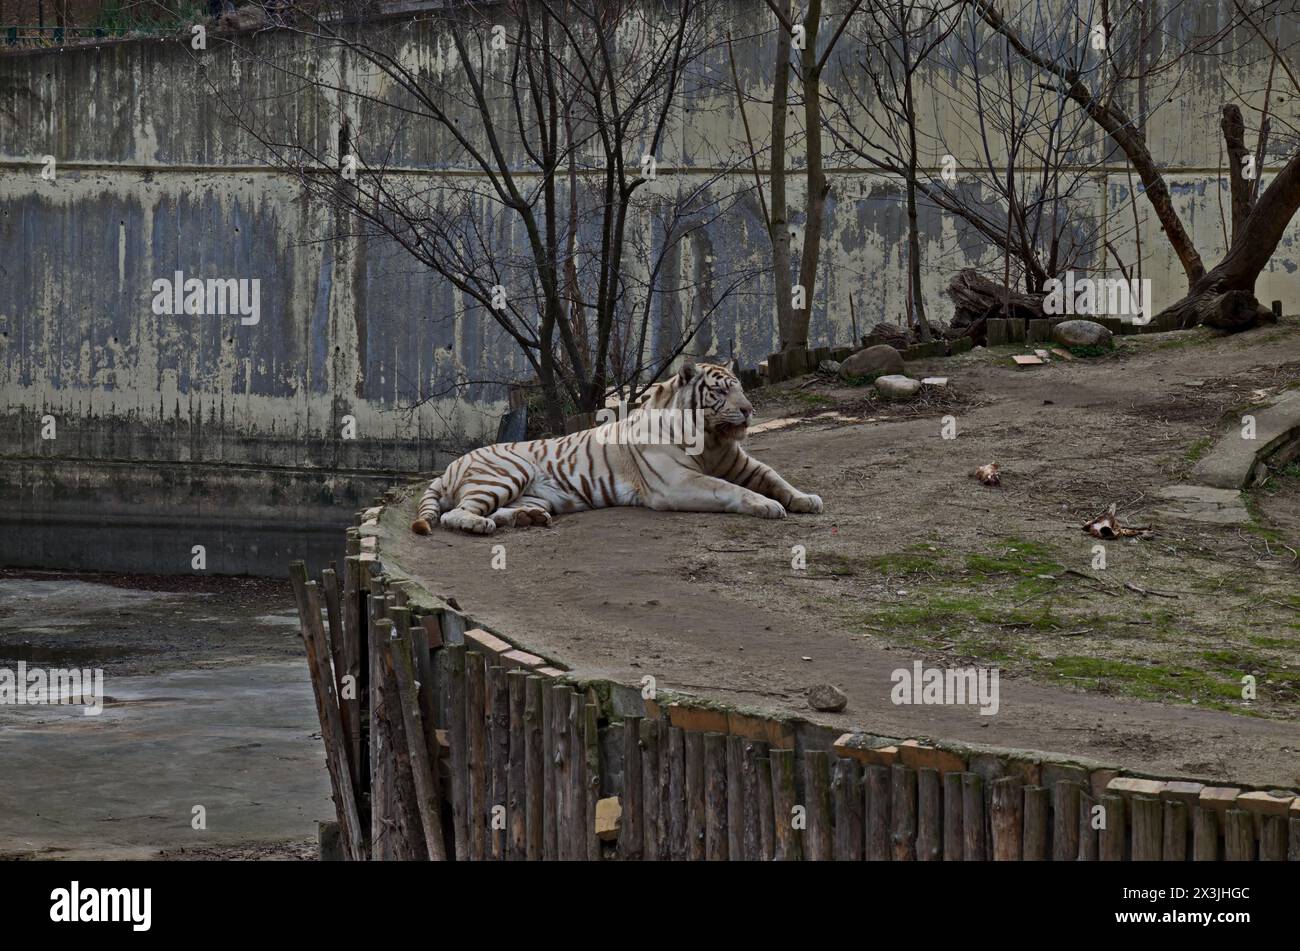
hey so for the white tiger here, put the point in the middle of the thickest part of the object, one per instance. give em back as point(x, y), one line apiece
point(525, 483)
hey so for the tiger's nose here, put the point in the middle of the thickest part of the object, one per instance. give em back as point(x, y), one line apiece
point(747, 410)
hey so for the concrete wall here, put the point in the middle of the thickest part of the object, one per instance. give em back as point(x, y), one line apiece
point(179, 430)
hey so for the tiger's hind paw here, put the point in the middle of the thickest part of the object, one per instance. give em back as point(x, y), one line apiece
point(468, 522)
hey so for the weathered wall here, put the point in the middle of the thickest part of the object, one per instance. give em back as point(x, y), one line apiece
point(180, 430)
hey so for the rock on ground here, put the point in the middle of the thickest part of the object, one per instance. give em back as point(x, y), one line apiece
point(1081, 333)
point(897, 387)
point(880, 360)
point(827, 698)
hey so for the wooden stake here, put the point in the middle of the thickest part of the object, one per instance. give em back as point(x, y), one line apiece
point(676, 802)
point(1065, 831)
point(1174, 846)
point(754, 776)
point(846, 794)
point(954, 846)
point(397, 651)
point(631, 838)
point(878, 793)
point(562, 766)
point(1113, 837)
point(580, 819)
point(1087, 834)
point(591, 775)
point(1272, 839)
point(715, 797)
point(651, 796)
point(903, 810)
point(516, 783)
point(550, 820)
point(498, 693)
point(453, 661)
point(1034, 840)
point(972, 816)
point(735, 798)
point(1205, 835)
point(1148, 830)
point(1238, 836)
point(695, 797)
point(476, 727)
point(789, 843)
point(929, 816)
point(328, 714)
point(534, 768)
point(819, 836)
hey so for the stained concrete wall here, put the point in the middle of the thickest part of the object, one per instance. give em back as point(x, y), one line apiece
point(172, 431)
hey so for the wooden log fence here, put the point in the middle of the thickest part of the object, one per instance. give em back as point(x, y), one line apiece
point(444, 742)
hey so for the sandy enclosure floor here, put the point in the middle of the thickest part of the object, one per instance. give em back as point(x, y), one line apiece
point(914, 560)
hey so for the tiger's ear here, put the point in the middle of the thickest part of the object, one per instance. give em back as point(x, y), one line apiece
point(688, 371)
point(732, 366)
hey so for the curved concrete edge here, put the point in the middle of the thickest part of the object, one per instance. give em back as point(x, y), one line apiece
point(1236, 462)
point(618, 700)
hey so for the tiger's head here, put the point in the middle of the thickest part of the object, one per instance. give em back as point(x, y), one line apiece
point(716, 392)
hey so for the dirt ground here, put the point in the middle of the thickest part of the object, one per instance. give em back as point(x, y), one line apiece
point(915, 560)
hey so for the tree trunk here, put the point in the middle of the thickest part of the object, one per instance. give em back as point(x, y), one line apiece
point(780, 228)
point(816, 177)
point(1225, 297)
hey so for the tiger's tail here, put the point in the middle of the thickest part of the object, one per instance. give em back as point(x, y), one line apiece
point(430, 508)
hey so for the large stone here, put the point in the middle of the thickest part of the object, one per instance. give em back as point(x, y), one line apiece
point(880, 360)
point(1081, 333)
point(897, 387)
point(827, 697)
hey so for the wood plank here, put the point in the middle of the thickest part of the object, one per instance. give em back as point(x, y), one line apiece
point(754, 773)
point(1036, 813)
point(715, 797)
point(498, 700)
point(972, 817)
point(516, 784)
point(695, 796)
point(1148, 828)
point(1112, 838)
point(476, 762)
point(1065, 828)
point(676, 800)
point(735, 798)
point(534, 766)
point(929, 815)
point(1205, 834)
point(631, 844)
point(902, 810)
point(453, 660)
point(581, 817)
point(819, 837)
point(1238, 836)
point(591, 775)
point(849, 806)
point(1173, 847)
point(878, 794)
point(954, 844)
point(788, 841)
point(651, 794)
point(397, 654)
point(562, 768)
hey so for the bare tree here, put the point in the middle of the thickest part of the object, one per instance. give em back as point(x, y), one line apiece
point(1224, 295)
point(559, 109)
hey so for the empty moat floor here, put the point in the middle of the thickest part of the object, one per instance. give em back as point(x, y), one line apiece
point(207, 704)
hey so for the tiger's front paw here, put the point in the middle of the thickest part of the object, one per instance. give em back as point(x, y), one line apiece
point(761, 507)
point(806, 503)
